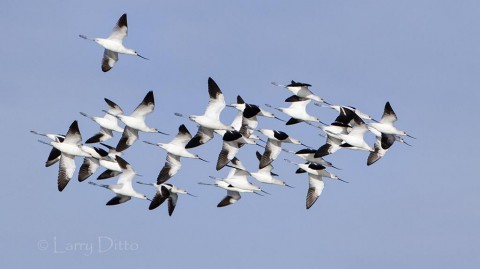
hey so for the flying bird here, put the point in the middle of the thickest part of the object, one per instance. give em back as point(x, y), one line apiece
point(136, 122)
point(210, 120)
point(123, 189)
point(386, 122)
point(108, 123)
point(55, 154)
point(70, 147)
point(164, 192)
point(383, 142)
point(113, 44)
point(176, 149)
point(274, 145)
point(301, 90)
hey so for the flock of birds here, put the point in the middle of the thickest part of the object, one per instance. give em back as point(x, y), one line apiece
point(346, 131)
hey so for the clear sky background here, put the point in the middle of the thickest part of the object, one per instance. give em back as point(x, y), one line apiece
point(415, 208)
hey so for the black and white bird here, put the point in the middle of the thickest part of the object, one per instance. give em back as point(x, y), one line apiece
point(235, 183)
point(265, 175)
point(354, 139)
point(386, 122)
point(123, 189)
point(108, 123)
point(357, 111)
point(274, 145)
point(114, 44)
point(136, 122)
point(164, 192)
point(341, 125)
point(210, 120)
point(175, 150)
point(55, 154)
point(301, 90)
point(298, 110)
point(70, 147)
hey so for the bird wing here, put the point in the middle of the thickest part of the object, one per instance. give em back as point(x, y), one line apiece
point(109, 59)
point(272, 150)
point(172, 202)
point(73, 135)
point(129, 136)
point(66, 170)
point(120, 31)
point(217, 100)
point(169, 169)
point(183, 136)
point(127, 174)
point(231, 198)
point(119, 199)
point(160, 197)
point(315, 188)
point(89, 166)
point(114, 108)
point(202, 136)
point(145, 107)
point(389, 115)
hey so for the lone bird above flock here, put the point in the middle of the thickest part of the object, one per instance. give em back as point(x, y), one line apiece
point(114, 44)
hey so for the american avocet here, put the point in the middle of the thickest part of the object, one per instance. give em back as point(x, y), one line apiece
point(114, 44)
point(356, 110)
point(301, 90)
point(386, 122)
point(265, 175)
point(232, 141)
point(355, 137)
point(164, 192)
point(235, 183)
point(123, 189)
point(70, 147)
point(274, 145)
point(90, 164)
point(176, 149)
point(341, 125)
point(237, 177)
point(298, 110)
point(136, 122)
point(100, 157)
point(108, 123)
point(210, 120)
point(55, 154)
point(314, 168)
point(309, 155)
point(382, 143)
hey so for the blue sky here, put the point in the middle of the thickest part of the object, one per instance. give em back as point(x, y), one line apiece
point(416, 207)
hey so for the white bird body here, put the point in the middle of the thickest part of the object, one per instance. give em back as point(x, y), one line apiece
point(265, 174)
point(237, 177)
point(298, 110)
point(355, 137)
point(71, 149)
